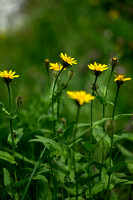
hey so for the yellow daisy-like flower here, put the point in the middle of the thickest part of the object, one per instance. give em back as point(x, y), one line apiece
point(67, 60)
point(80, 97)
point(56, 66)
point(8, 76)
point(120, 78)
point(97, 68)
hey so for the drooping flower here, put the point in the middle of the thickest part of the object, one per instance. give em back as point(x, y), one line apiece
point(120, 79)
point(67, 60)
point(97, 68)
point(8, 76)
point(56, 66)
point(80, 97)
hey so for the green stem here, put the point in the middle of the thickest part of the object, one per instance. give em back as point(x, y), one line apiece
point(33, 172)
point(54, 90)
point(58, 109)
point(53, 123)
point(12, 137)
point(94, 86)
point(53, 180)
point(91, 131)
point(112, 138)
point(74, 160)
point(106, 92)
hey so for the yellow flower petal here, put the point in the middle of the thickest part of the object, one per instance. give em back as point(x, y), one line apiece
point(80, 96)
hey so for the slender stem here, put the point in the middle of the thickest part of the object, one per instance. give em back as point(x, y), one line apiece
point(12, 137)
point(93, 89)
point(74, 160)
point(9, 93)
point(58, 109)
point(16, 109)
point(54, 90)
point(112, 138)
point(53, 180)
point(106, 92)
point(90, 139)
point(33, 172)
point(53, 123)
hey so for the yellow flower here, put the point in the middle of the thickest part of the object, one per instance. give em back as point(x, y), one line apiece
point(8, 76)
point(67, 60)
point(80, 97)
point(56, 66)
point(97, 67)
point(120, 78)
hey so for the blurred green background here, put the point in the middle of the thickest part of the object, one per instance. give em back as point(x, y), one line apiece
point(88, 30)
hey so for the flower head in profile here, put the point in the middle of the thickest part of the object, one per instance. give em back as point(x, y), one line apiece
point(80, 97)
point(97, 68)
point(56, 66)
point(120, 79)
point(67, 60)
point(114, 61)
point(8, 76)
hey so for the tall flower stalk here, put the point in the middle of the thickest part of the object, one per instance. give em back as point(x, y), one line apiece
point(7, 78)
point(113, 63)
point(80, 98)
point(119, 80)
point(97, 69)
point(67, 62)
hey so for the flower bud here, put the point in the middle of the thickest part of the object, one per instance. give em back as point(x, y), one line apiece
point(114, 61)
point(55, 73)
point(47, 61)
point(19, 100)
point(64, 85)
point(70, 73)
point(63, 120)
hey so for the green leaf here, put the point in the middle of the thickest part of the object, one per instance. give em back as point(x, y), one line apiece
point(17, 134)
point(101, 121)
point(7, 157)
point(48, 143)
point(42, 130)
point(20, 183)
point(115, 167)
point(104, 177)
point(124, 136)
point(50, 118)
point(102, 138)
point(7, 182)
point(61, 166)
point(116, 117)
point(98, 187)
point(80, 125)
point(40, 177)
point(122, 116)
point(72, 190)
point(127, 154)
point(4, 110)
point(88, 146)
point(19, 156)
point(101, 99)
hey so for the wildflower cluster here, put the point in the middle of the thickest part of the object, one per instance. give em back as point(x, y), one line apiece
point(68, 166)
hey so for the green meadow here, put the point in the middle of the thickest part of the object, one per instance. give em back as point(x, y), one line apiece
point(66, 122)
